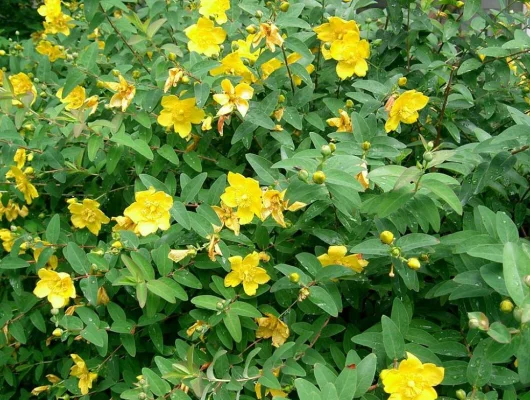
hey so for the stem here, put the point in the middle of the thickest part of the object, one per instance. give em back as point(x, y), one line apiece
point(444, 105)
point(408, 38)
point(288, 69)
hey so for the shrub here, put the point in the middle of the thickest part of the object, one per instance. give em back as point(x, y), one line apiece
point(239, 200)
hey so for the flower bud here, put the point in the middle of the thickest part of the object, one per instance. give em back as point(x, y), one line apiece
point(349, 103)
point(333, 147)
point(430, 145)
point(518, 314)
point(220, 305)
point(57, 332)
point(136, 74)
point(142, 396)
point(185, 79)
point(115, 72)
point(284, 6)
point(424, 257)
point(474, 323)
point(54, 311)
point(327, 45)
point(251, 29)
point(506, 306)
point(325, 150)
point(459, 4)
point(281, 98)
point(395, 252)
point(2, 52)
point(427, 156)
point(402, 81)
point(294, 277)
point(319, 177)
point(366, 146)
point(172, 56)
point(259, 14)
point(386, 237)
point(117, 245)
point(377, 42)
point(460, 394)
point(414, 263)
point(100, 84)
point(43, 95)
point(30, 128)
point(303, 294)
point(526, 280)
point(303, 175)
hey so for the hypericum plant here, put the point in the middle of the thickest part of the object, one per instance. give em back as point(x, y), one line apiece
point(236, 200)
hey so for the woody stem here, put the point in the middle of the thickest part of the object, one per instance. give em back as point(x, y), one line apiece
point(288, 69)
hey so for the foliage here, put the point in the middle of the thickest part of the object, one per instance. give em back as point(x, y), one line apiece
point(292, 208)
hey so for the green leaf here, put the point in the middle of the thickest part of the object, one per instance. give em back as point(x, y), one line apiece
point(445, 193)
point(92, 334)
point(263, 168)
point(232, 323)
point(346, 384)
point(499, 333)
point(392, 339)
point(322, 299)
point(415, 241)
point(193, 187)
point(202, 92)
point(12, 262)
point(160, 289)
point(516, 265)
point(400, 316)
point(245, 309)
point(156, 384)
point(167, 152)
point(365, 374)
point(53, 230)
point(306, 390)
point(141, 294)
point(16, 329)
point(506, 229)
point(150, 181)
point(74, 78)
point(193, 160)
point(77, 259)
point(207, 301)
point(179, 212)
point(470, 8)
point(137, 145)
point(257, 117)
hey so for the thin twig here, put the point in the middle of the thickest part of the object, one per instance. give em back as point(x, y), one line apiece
point(288, 69)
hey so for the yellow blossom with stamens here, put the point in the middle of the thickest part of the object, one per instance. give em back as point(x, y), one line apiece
point(232, 64)
point(12, 211)
point(180, 114)
point(123, 224)
point(275, 205)
point(20, 157)
point(228, 217)
point(246, 271)
point(57, 287)
point(412, 380)
point(233, 97)
point(80, 371)
point(23, 184)
point(87, 215)
point(53, 52)
point(204, 37)
point(245, 194)
point(216, 9)
point(58, 24)
point(124, 93)
point(336, 255)
point(74, 100)
point(174, 77)
point(271, 34)
point(335, 29)
point(271, 326)
point(342, 123)
point(22, 86)
point(246, 49)
point(8, 239)
point(351, 55)
point(405, 109)
point(150, 211)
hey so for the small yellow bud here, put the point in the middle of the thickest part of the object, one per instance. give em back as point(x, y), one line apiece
point(53, 378)
point(57, 332)
point(325, 150)
point(30, 155)
point(366, 146)
point(414, 263)
point(259, 14)
point(136, 74)
point(516, 363)
point(100, 84)
point(386, 237)
point(294, 277)
point(117, 244)
point(402, 81)
point(474, 323)
point(2, 52)
point(461, 394)
point(303, 175)
point(185, 79)
point(264, 256)
point(319, 177)
point(172, 56)
point(116, 73)
point(459, 4)
point(284, 6)
point(349, 103)
point(303, 294)
point(506, 306)
point(327, 45)
point(43, 95)
point(251, 29)
point(281, 98)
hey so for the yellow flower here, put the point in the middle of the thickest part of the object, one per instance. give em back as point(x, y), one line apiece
point(23, 184)
point(56, 286)
point(342, 123)
point(275, 205)
point(268, 67)
point(336, 29)
point(204, 37)
point(174, 77)
point(92, 104)
point(198, 326)
point(207, 123)
point(53, 378)
point(233, 97)
point(245, 49)
point(412, 380)
point(40, 389)
point(150, 211)
point(80, 370)
point(12, 211)
point(336, 255)
point(50, 9)
point(74, 100)
point(228, 217)
point(512, 65)
point(245, 194)
point(232, 64)
point(1, 77)
point(124, 93)
point(123, 224)
point(405, 109)
point(482, 57)
point(362, 177)
point(351, 55)
point(273, 392)
point(95, 35)
point(102, 297)
point(22, 86)
point(271, 34)
point(20, 157)
point(176, 255)
point(216, 9)
point(272, 327)
point(180, 114)
point(87, 215)
point(8, 239)
point(247, 272)
point(47, 49)
point(58, 24)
